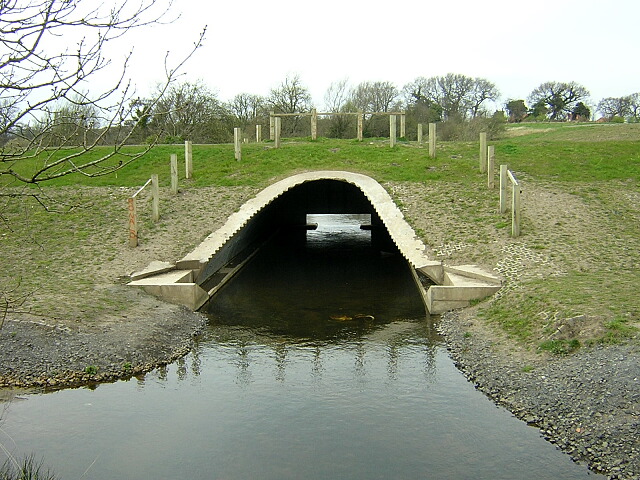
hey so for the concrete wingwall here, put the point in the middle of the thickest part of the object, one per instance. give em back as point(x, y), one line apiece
point(286, 203)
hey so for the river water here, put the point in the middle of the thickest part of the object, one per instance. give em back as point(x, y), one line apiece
point(319, 363)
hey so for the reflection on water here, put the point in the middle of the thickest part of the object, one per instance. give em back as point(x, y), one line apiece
point(289, 382)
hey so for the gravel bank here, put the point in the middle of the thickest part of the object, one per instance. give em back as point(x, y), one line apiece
point(36, 354)
point(587, 403)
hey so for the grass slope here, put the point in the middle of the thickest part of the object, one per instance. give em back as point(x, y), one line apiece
point(592, 238)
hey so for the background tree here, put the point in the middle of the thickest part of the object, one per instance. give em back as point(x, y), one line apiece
point(36, 78)
point(336, 99)
point(634, 107)
point(581, 112)
point(616, 107)
point(457, 96)
point(290, 97)
point(190, 111)
point(560, 98)
point(247, 109)
point(517, 110)
point(375, 97)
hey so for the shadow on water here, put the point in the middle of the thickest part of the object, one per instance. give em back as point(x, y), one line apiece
point(328, 285)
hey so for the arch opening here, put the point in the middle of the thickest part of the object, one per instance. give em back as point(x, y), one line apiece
point(287, 204)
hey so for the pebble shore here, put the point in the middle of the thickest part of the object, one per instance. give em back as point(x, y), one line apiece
point(588, 403)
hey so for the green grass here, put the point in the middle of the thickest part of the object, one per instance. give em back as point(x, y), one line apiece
point(545, 155)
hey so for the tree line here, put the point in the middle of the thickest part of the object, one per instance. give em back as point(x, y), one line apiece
point(192, 111)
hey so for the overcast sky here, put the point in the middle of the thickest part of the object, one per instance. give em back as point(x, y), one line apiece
point(251, 45)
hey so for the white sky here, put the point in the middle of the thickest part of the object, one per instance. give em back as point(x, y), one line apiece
point(252, 45)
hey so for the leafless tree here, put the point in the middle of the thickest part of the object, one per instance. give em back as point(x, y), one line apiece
point(290, 97)
point(38, 81)
point(247, 108)
point(336, 99)
point(187, 111)
point(616, 106)
point(457, 96)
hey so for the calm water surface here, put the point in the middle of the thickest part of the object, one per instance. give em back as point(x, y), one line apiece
point(319, 363)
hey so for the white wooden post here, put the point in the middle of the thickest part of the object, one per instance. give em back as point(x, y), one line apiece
point(174, 173)
point(314, 124)
point(483, 152)
point(491, 157)
point(419, 134)
point(276, 127)
point(155, 198)
point(360, 123)
point(188, 158)
point(272, 126)
point(432, 140)
point(133, 222)
point(503, 188)
point(258, 133)
point(237, 144)
point(403, 125)
point(515, 213)
point(392, 131)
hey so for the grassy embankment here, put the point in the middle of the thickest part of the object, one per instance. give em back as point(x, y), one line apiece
point(596, 166)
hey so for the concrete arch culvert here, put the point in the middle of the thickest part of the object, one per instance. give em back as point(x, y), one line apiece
point(194, 279)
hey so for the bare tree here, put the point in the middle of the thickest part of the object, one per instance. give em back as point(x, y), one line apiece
point(36, 79)
point(560, 98)
point(616, 107)
point(187, 111)
point(247, 108)
point(457, 96)
point(336, 99)
point(290, 97)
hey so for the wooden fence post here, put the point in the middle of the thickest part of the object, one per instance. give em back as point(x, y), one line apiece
point(188, 158)
point(272, 126)
point(515, 213)
point(491, 157)
point(174, 173)
point(258, 133)
point(314, 124)
point(360, 123)
point(403, 125)
point(503, 188)
point(237, 144)
point(133, 222)
point(483, 152)
point(155, 198)
point(276, 127)
point(392, 131)
point(432, 140)
point(419, 134)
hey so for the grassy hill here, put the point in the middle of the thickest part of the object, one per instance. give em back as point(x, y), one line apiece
point(578, 254)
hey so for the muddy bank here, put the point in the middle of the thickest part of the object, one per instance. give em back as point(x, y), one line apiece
point(588, 403)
